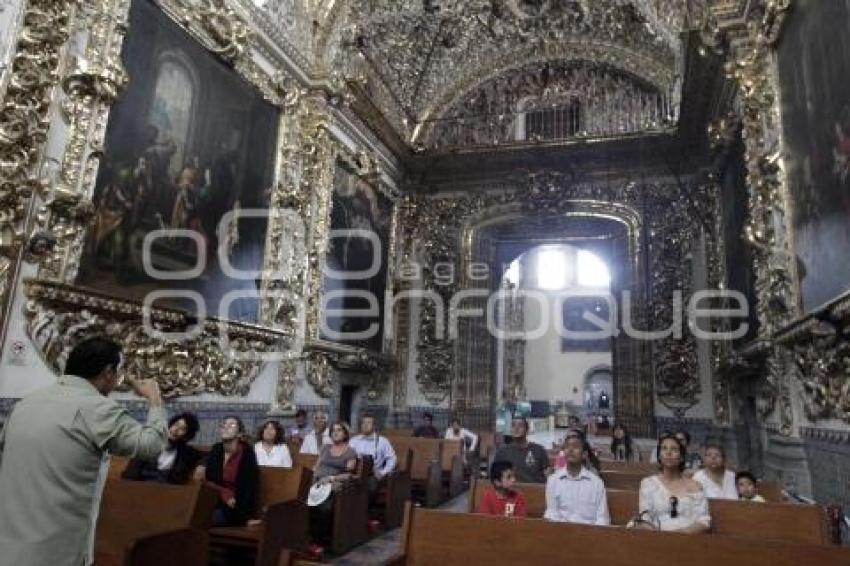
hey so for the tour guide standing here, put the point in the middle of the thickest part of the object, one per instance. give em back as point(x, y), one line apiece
point(54, 457)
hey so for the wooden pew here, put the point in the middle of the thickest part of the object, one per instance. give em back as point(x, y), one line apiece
point(805, 524)
point(281, 502)
point(305, 460)
point(397, 491)
point(117, 465)
point(140, 519)
point(425, 466)
point(451, 458)
point(176, 547)
point(622, 505)
point(771, 491)
point(432, 537)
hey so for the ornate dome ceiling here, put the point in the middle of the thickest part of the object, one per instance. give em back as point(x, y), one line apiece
point(416, 58)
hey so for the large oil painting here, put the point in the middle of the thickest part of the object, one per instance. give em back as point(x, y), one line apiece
point(814, 66)
point(188, 143)
point(356, 264)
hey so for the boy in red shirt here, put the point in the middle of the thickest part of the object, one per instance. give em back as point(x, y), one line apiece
point(501, 500)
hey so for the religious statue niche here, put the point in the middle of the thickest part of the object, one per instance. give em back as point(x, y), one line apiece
point(355, 275)
point(814, 63)
point(189, 150)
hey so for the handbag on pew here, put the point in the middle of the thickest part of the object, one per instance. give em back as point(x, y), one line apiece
point(645, 517)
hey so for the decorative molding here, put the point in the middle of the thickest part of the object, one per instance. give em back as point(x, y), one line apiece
point(24, 120)
point(831, 436)
point(444, 227)
point(194, 361)
point(776, 296)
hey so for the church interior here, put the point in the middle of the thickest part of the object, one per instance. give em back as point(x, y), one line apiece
point(568, 214)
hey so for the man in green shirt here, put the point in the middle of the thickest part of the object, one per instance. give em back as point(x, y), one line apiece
point(530, 461)
point(54, 457)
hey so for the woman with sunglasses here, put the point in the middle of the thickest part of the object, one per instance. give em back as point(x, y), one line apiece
point(673, 501)
point(232, 471)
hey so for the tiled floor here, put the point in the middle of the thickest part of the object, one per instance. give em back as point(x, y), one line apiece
point(380, 549)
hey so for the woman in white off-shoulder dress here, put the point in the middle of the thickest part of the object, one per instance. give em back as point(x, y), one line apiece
point(669, 500)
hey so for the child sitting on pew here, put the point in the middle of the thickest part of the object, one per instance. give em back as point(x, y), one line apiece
point(747, 487)
point(501, 500)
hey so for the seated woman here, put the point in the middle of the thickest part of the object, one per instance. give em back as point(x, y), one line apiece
point(672, 501)
point(271, 449)
point(232, 470)
point(715, 479)
point(621, 444)
point(177, 462)
point(336, 464)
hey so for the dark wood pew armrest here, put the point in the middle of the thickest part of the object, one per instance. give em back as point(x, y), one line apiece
point(398, 488)
point(456, 476)
point(286, 527)
point(399, 559)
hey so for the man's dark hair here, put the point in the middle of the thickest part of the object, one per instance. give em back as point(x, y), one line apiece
point(428, 416)
point(498, 468)
point(300, 413)
point(192, 425)
point(91, 356)
point(746, 474)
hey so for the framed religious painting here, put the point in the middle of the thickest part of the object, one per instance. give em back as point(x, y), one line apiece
point(189, 145)
point(813, 66)
point(355, 275)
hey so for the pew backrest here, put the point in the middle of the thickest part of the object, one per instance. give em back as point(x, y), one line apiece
point(449, 450)
point(305, 460)
point(805, 524)
point(283, 484)
point(432, 537)
point(425, 451)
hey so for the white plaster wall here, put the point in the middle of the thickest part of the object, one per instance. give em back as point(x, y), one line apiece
point(550, 374)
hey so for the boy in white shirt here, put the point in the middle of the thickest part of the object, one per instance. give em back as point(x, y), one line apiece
point(573, 493)
point(455, 432)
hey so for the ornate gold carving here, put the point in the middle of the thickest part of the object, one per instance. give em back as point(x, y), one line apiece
point(765, 231)
point(60, 315)
point(443, 227)
point(595, 100)
point(409, 48)
point(23, 127)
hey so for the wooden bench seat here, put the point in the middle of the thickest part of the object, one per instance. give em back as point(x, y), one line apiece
point(433, 537)
point(451, 461)
point(140, 518)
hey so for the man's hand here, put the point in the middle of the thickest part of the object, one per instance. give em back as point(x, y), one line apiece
point(149, 389)
point(231, 502)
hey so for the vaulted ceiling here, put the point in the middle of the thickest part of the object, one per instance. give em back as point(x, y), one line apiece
point(416, 58)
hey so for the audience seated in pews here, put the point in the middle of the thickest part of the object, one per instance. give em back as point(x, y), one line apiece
point(747, 487)
point(299, 430)
point(426, 429)
point(319, 436)
point(673, 501)
point(501, 499)
point(573, 493)
point(621, 444)
point(232, 470)
point(456, 432)
point(176, 463)
point(335, 465)
point(530, 460)
point(693, 461)
point(716, 480)
point(370, 443)
point(271, 449)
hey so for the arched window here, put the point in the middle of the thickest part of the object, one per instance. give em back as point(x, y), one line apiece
point(173, 104)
